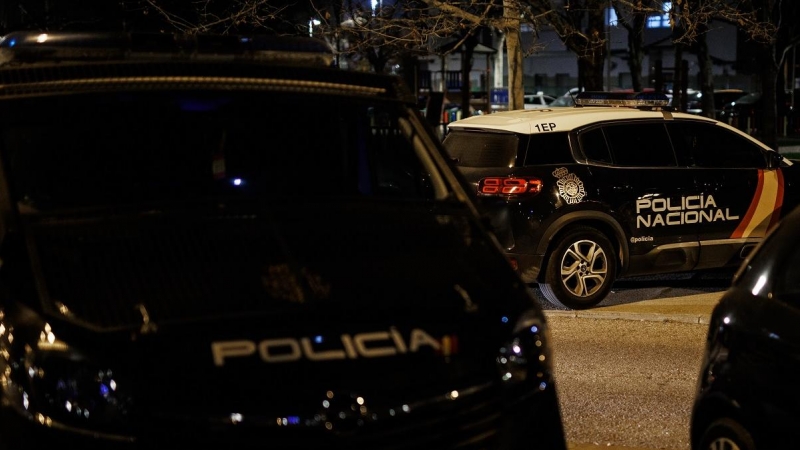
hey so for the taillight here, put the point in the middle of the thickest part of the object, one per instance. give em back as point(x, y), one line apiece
point(509, 186)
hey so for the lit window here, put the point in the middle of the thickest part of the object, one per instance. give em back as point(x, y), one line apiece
point(611, 17)
point(662, 20)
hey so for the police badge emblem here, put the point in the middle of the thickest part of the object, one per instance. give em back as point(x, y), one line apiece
point(570, 187)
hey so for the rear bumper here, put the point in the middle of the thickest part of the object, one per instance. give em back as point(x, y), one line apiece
point(528, 266)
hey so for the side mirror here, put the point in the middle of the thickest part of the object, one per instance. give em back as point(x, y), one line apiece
point(775, 160)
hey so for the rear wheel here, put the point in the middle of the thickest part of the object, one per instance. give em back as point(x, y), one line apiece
point(580, 270)
point(726, 434)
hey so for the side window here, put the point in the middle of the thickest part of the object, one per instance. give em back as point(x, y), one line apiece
point(548, 148)
point(594, 147)
point(640, 144)
point(396, 169)
point(708, 145)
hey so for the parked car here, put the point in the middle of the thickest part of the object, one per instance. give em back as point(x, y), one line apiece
point(722, 98)
point(192, 258)
point(538, 100)
point(747, 112)
point(620, 185)
point(747, 396)
point(564, 100)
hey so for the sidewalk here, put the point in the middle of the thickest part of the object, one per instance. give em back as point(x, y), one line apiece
point(690, 309)
point(789, 144)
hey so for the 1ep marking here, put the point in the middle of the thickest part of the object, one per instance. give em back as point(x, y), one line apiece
point(550, 126)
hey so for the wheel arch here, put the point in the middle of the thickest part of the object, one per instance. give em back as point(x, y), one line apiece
point(714, 407)
point(599, 220)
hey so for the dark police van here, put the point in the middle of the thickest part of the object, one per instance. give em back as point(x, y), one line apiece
point(620, 185)
point(188, 260)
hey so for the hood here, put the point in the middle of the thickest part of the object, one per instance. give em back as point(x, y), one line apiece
point(293, 313)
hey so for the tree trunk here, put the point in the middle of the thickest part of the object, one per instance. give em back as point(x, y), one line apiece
point(635, 37)
point(769, 80)
point(594, 56)
point(678, 93)
point(514, 52)
point(468, 50)
point(705, 76)
point(592, 74)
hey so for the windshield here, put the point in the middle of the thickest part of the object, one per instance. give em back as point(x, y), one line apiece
point(112, 148)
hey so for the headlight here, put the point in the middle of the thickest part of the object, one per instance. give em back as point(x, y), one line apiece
point(75, 391)
point(60, 387)
point(526, 359)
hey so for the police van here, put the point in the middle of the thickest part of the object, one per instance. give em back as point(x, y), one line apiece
point(620, 185)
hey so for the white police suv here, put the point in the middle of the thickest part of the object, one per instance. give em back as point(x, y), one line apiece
point(620, 185)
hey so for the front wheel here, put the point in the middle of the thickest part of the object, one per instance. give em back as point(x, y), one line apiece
point(726, 434)
point(580, 270)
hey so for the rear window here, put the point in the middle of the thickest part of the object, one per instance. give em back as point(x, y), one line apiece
point(482, 149)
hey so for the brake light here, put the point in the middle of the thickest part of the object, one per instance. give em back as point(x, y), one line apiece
point(509, 186)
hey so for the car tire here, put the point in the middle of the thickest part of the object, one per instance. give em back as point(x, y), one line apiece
point(580, 270)
point(726, 434)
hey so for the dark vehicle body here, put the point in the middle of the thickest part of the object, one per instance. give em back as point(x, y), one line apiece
point(595, 193)
point(188, 259)
point(747, 392)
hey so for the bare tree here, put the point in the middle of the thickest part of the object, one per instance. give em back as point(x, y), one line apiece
point(770, 24)
point(412, 27)
point(224, 16)
point(633, 16)
point(581, 26)
point(420, 25)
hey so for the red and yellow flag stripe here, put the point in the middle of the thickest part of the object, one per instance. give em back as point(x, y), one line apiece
point(765, 207)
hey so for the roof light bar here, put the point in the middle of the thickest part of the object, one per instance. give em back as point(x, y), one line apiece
point(629, 99)
point(66, 45)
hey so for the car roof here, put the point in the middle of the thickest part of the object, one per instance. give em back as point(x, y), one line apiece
point(35, 62)
point(562, 119)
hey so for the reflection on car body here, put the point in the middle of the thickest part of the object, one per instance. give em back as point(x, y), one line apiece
point(747, 395)
point(621, 185)
point(181, 266)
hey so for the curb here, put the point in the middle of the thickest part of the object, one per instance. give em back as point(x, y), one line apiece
point(612, 315)
point(696, 308)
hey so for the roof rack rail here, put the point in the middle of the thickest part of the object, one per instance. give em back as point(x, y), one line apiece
point(622, 99)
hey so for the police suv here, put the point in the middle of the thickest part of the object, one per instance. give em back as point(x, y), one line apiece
point(620, 185)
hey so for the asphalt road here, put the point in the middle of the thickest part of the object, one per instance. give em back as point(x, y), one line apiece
point(624, 383)
point(629, 384)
